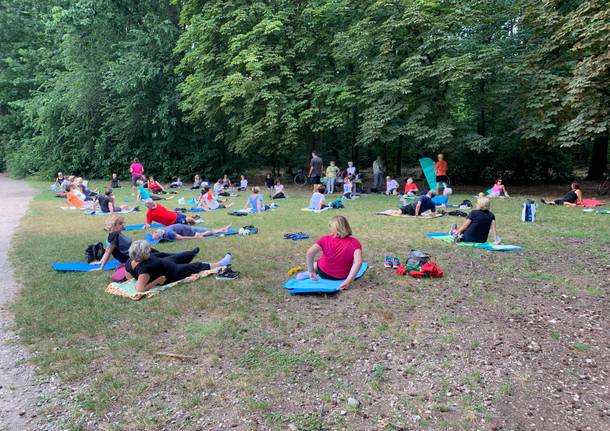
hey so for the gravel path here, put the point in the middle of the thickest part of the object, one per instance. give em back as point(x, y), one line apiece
point(20, 389)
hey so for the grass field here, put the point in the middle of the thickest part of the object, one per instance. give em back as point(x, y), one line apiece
point(510, 341)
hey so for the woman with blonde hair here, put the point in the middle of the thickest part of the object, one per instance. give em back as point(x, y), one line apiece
point(341, 254)
point(477, 225)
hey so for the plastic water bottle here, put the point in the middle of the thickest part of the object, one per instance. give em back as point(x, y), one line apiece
point(181, 201)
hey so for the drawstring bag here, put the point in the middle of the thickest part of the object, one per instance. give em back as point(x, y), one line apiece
point(528, 213)
point(417, 258)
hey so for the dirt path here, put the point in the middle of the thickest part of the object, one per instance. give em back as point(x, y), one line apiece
point(20, 390)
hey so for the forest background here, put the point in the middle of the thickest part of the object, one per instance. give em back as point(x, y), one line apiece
point(512, 88)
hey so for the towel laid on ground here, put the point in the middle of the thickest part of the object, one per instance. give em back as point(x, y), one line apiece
point(590, 203)
point(83, 266)
point(307, 285)
point(127, 289)
point(443, 236)
point(398, 213)
point(311, 210)
point(101, 213)
point(597, 211)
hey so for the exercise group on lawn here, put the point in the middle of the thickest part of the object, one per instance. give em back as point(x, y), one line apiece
point(340, 253)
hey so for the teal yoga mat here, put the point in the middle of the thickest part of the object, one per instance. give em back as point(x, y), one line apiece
point(427, 166)
point(443, 236)
point(83, 266)
point(307, 285)
point(141, 226)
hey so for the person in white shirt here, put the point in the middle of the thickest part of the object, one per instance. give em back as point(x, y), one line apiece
point(391, 186)
point(351, 169)
point(317, 198)
point(243, 184)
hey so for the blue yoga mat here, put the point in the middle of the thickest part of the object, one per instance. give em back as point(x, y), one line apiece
point(141, 226)
point(148, 237)
point(443, 236)
point(307, 285)
point(83, 266)
point(427, 166)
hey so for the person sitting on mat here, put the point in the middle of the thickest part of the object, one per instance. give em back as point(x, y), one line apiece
point(243, 184)
point(176, 184)
point(219, 188)
point(119, 244)
point(158, 213)
point(107, 205)
point(570, 199)
point(348, 187)
point(196, 183)
point(114, 181)
point(341, 254)
point(391, 186)
point(477, 225)
point(155, 186)
point(410, 187)
point(423, 204)
point(278, 190)
point(208, 201)
point(142, 194)
point(178, 232)
point(58, 185)
point(255, 201)
point(82, 186)
point(317, 201)
point(226, 182)
point(76, 198)
point(150, 270)
point(498, 190)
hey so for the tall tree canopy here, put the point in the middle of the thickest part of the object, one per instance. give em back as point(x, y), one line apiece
point(518, 88)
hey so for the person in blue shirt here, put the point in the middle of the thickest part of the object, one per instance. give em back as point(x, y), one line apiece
point(424, 203)
point(255, 201)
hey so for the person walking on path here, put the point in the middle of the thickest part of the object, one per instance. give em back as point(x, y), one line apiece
point(315, 168)
point(378, 169)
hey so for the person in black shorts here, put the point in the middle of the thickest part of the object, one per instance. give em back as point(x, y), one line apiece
point(315, 169)
point(150, 270)
point(570, 199)
point(478, 224)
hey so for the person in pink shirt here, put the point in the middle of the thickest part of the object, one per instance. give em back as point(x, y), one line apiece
point(137, 171)
point(341, 254)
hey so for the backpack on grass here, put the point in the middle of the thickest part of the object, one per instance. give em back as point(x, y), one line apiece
point(94, 252)
point(528, 213)
point(417, 258)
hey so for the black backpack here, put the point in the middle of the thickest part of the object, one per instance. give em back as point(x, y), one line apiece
point(94, 252)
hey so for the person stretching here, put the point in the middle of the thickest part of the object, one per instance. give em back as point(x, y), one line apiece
point(477, 225)
point(255, 201)
point(570, 199)
point(106, 203)
point(178, 232)
point(149, 270)
point(341, 254)
point(142, 194)
point(423, 204)
point(158, 213)
point(119, 243)
point(155, 186)
point(208, 201)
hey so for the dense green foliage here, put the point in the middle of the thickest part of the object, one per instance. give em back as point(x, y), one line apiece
point(517, 88)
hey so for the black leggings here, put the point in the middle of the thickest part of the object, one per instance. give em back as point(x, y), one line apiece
point(180, 257)
point(178, 267)
point(324, 275)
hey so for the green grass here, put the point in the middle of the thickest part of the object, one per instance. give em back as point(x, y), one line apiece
point(269, 358)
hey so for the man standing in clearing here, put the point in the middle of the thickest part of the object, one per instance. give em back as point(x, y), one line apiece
point(315, 170)
point(377, 174)
point(441, 167)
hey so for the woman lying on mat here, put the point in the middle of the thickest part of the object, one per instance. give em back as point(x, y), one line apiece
point(477, 225)
point(341, 254)
point(571, 198)
point(150, 270)
point(119, 244)
point(178, 232)
point(498, 190)
point(317, 198)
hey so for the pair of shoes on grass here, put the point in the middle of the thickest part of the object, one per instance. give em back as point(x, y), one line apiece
point(296, 236)
point(227, 274)
point(391, 262)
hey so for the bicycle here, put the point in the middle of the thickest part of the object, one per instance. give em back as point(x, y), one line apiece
point(300, 178)
point(604, 187)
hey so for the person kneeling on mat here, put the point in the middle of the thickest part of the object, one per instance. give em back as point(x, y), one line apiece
point(119, 243)
point(178, 232)
point(423, 204)
point(341, 254)
point(158, 213)
point(149, 270)
point(477, 225)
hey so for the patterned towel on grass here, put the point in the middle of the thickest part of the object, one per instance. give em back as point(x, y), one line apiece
point(127, 289)
point(398, 213)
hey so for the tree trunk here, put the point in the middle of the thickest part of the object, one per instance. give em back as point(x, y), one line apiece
point(599, 157)
point(481, 126)
point(399, 156)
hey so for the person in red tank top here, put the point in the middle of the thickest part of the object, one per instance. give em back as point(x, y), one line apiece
point(341, 254)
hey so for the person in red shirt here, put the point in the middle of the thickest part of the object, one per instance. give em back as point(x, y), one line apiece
point(410, 187)
point(158, 213)
point(155, 186)
point(341, 254)
point(441, 167)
